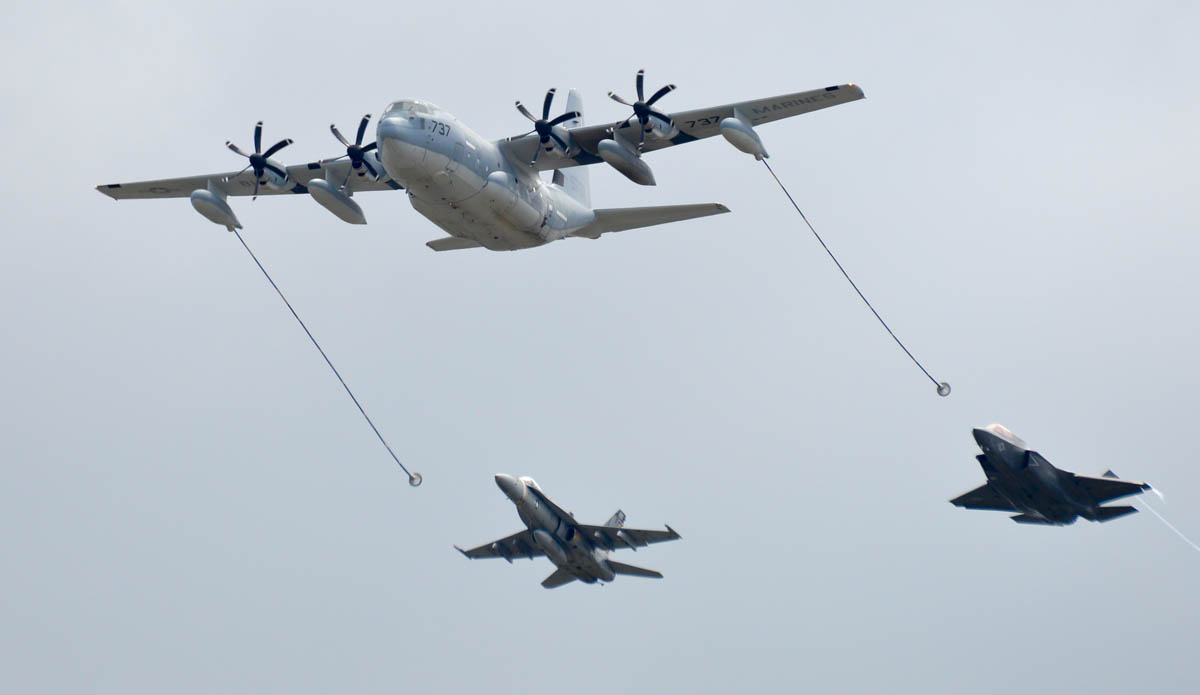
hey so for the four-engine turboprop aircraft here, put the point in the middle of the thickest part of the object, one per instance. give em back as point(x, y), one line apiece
point(579, 551)
point(1022, 480)
point(489, 193)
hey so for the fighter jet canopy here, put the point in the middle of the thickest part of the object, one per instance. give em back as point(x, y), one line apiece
point(1005, 433)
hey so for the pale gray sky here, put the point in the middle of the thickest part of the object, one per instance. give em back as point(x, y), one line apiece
point(190, 503)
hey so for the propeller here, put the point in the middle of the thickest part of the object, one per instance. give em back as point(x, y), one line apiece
point(259, 160)
point(642, 108)
point(544, 127)
point(356, 151)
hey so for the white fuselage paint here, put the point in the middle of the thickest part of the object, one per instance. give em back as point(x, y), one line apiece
point(467, 186)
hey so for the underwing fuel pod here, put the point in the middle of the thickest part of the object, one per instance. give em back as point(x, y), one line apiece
point(578, 551)
point(1021, 480)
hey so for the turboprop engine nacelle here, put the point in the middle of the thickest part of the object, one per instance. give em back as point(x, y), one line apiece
point(626, 161)
point(663, 130)
point(553, 550)
point(213, 206)
point(336, 201)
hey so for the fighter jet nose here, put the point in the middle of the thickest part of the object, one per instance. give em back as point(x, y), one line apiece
point(513, 488)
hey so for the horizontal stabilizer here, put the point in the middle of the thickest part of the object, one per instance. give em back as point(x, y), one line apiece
point(621, 219)
point(452, 243)
point(1026, 519)
point(557, 579)
point(1110, 513)
point(622, 568)
point(1108, 487)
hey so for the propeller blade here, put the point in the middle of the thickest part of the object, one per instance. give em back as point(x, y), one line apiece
point(338, 134)
point(619, 100)
point(362, 129)
point(641, 79)
point(546, 104)
point(235, 148)
point(258, 137)
point(255, 196)
point(367, 164)
point(331, 161)
point(277, 146)
point(660, 94)
point(238, 174)
point(536, 151)
point(279, 172)
point(368, 148)
point(559, 141)
point(568, 116)
point(660, 116)
point(525, 112)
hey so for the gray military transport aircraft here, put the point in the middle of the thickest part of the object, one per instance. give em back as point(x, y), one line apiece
point(579, 551)
point(1022, 480)
point(489, 193)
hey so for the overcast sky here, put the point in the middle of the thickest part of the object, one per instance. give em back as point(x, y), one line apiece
point(190, 503)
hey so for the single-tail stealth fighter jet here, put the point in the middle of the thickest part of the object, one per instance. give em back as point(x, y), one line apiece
point(1022, 480)
point(579, 551)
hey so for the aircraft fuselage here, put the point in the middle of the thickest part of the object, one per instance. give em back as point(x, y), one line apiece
point(465, 184)
point(557, 537)
point(1028, 481)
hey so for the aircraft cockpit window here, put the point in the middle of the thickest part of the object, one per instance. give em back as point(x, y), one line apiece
point(530, 482)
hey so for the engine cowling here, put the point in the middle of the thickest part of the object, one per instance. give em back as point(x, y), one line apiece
point(658, 128)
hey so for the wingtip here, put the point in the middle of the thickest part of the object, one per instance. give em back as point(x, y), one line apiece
point(463, 552)
point(674, 533)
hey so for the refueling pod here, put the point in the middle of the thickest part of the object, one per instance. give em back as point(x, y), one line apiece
point(335, 201)
point(211, 203)
point(738, 131)
point(625, 160)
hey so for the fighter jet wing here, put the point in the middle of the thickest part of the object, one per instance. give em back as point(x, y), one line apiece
point(518, 545)
point(1108, 488)
point(983, 497)
point(615, 537)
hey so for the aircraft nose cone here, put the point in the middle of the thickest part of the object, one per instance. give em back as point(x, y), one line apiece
point(513, 488)
point(980, 435)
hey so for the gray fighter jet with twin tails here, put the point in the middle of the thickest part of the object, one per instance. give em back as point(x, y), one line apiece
point(579, 551)
point(1022, 480)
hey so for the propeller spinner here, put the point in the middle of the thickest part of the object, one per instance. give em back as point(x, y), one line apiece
point(260, 161)
point(643, 107)
point(356, 151)
point(544, 127)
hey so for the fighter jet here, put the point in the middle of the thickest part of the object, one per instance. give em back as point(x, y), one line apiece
point(1022, 480)
point(578, 551)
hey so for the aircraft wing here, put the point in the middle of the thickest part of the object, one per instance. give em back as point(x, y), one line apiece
point(615, 537)
point(694, 124)
point(983, 497)
point(237, 184)
point(518, 545)
point(1106, 488)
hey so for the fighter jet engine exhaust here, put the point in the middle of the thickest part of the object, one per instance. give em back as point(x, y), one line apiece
point(943, 387)
point(414, 478)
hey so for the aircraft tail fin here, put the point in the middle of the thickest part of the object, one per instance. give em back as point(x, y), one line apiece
point(622, 568)
point(621, 219)
point(616, 520)
point(574, 180)
point(1110, 513)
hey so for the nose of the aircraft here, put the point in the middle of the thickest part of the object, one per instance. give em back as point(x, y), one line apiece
point(981, 435)
point(513, 488)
